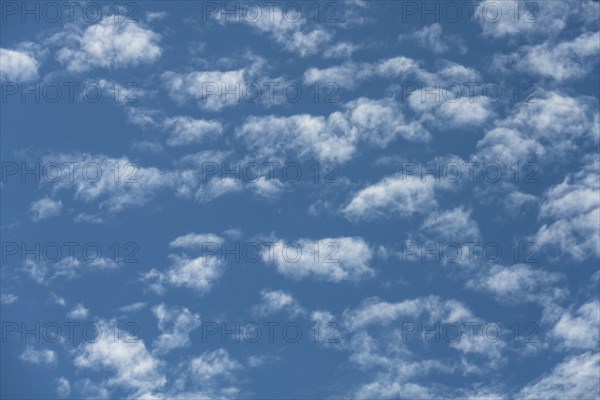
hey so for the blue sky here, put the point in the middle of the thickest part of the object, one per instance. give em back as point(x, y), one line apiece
point(360, 199)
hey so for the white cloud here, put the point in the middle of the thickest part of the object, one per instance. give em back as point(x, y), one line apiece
point(63, 388)
point(156, 15)
point(88, 218)
point(333, 138)
point(131, 365)
point(195, 241)
point(58, 300)
point(79, 312)
point(374, 311)
point(560, 61)
point(574, 378)
point(320, 137)
point(8, 298)
point(195, 273)
point(133, 307)
point(452, 225)
point(214, 89)
point(548, 126)
point(258, 361)
point(341, 50)
point(350, 74)
point(573, 207)
point(508, 146)
point(117, 183)
point(394, 195)
point(17, 66)
point(142, 117)
point(378, 346)
point(274, 301)
point(44, 271)
point(211, 365)
point(331, 259)
point(218, 187)
point(457, 110)
point(45, 208)
point(579, 330)
point(38, 357)
point(534, 19)
point(519, 283)
point(431, 38)
point(91, 389)
point(379, 122)
point(175, 325)
point(186, 130)
point(111, 43)
point(292, 33)
point(267, 188)
point(554, 115)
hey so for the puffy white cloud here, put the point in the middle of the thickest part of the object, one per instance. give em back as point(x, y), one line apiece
point(117, 183)
point(574, 378)
point(520, 283)
point(375, 311)
point(554, 115)
point(379, 122)
point(377, 345)
point(294, 34)
point(195, 273)
point(92, 389)
point(211, 365)
point(8, 298)
point(187, 130)
point(214, 89)
point(573, 207)
point(267, 188)
point(503, 19)
point(45, 208)
point(341, 50)
point(508, 146)
point(181, 130)
point(156, 15)
point(44, 271)
point(274, 301)
point(175, 325)
point(111, 43)
point(351, 74)
point(324, 138)
point(548, 127)
point(88, 218)
point(579, 330)
point(195, 241)
point(38, 357)
point(333, 138)
point(561, 61)
point(331, 259)
point(78, 312)
point(455, 224)
point(63, 388)
point(394, 195)
point(133, 307)
point(17, 66)
point(131, 365)
point(218, 187)
point(456, 111)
